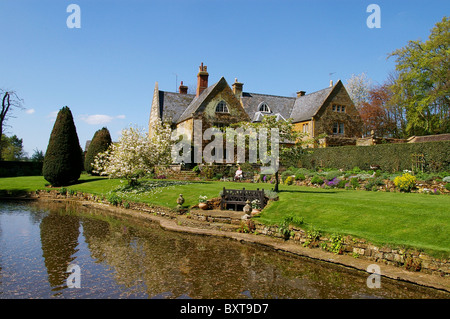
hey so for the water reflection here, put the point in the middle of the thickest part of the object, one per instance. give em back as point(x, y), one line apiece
point(133, 259)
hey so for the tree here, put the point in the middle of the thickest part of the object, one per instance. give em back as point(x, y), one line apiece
point(358, 87)
point(63, 158)
point(290, 141)
point(10, 100)
point(376, 112)
point(423, 83)
point(99, 144)
point(38, 156)
point(12, 148)
point(135, 154)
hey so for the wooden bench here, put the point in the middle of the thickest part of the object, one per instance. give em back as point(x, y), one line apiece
point(240, 196)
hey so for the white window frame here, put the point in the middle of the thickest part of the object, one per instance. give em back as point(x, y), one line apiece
point(263, 107)
point(222, 107)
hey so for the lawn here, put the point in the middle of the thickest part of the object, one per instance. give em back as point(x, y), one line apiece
point(398, 219)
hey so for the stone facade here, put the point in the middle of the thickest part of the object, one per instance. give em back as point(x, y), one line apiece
point(328, 115)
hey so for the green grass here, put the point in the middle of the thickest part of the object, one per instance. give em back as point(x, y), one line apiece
point(397, 219)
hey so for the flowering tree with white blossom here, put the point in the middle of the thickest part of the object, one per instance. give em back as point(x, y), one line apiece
point(135, 154)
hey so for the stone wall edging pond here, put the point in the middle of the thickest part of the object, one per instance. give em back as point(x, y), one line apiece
point(409, 259)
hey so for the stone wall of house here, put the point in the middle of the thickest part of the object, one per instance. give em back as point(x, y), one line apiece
point(326, 116)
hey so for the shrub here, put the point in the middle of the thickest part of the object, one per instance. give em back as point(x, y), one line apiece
point(113, 199)
point(300, 177)
point(372, 184)
point(63, 158)
point(447, 186)
point(333, 174)
point(316, 180)
point(354, 183)
point(289, 180)
point(405, 183)
point(446, 179)
point(99, 144)
point(272, 195)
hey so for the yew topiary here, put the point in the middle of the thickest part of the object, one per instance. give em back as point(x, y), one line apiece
point(63, 158)
point(99, 144)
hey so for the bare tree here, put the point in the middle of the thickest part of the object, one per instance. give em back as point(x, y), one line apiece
point(10, 101)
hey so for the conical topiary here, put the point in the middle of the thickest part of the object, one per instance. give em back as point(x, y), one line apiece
point(63, 159)
point(100, 143)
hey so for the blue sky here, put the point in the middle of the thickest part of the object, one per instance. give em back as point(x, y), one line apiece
point(106, 70)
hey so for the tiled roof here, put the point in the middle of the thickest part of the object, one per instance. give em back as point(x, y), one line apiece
point(178, 107)
point(306, 106)
point(198, 100)
point(172, 105)
point(277, 104)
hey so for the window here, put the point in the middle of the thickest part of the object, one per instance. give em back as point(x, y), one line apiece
point(222, 107)
point(338, 108)
point(305, 128)
point(263, 107)
point(338, 128)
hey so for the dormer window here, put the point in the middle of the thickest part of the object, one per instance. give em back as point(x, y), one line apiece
point(263, 107)
point(222, 107)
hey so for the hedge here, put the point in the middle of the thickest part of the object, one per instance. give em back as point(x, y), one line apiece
point(16, 168)
point(390, 157)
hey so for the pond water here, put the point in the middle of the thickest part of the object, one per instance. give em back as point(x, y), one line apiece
point(120, 258)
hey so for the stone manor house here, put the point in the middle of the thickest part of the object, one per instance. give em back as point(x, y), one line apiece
point(330, 110)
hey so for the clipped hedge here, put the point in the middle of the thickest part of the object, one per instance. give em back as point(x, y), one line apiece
point(390, 157)
point(16, 168)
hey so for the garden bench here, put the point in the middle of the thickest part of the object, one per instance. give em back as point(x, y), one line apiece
point(240, 196)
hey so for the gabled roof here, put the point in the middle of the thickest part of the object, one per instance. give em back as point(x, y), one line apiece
point(176, 107)
point(305, 107)
point(172, 105)
point(198, 100)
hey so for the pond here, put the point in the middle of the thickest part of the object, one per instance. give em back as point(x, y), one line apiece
point(123, 258)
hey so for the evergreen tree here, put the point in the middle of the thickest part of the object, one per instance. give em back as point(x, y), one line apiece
point(99, 144)
point(63, 159)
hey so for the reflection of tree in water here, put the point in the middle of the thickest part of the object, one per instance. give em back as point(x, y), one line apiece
point(156, 262)
point(59, 239)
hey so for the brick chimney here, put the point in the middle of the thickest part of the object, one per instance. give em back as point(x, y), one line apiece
point(237, 88)
point(300, 93)
point(183, 88)
point(202, 79)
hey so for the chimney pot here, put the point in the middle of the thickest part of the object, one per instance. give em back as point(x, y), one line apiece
point(237, 88)
point(202, 79)
point(183, 89)
point(331, 83)
point(301, 93)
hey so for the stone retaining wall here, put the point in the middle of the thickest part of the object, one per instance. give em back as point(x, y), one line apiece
point(409, 259)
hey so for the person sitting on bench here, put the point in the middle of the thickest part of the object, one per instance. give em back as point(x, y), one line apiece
point(238, 176)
